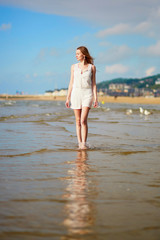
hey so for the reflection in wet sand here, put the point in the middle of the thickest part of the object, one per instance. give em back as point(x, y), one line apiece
point(78, 207)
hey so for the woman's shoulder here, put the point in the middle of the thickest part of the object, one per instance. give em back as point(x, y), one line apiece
point(73, 66)
point(93, 67)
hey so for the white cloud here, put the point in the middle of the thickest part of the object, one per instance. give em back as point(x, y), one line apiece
point(100, 11)
point(35, 75)
point(150, 71)
point(117, 29)
point(116, 68)
point(5, 26)
point(114, 54)
point(142, 27)
point(152, 51)
point(158, 12)
point(120, 16)
point(145, 28)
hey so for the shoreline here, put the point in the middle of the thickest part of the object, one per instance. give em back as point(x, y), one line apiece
point(105, 99)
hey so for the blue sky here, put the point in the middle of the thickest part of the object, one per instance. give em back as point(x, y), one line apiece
point(38, 40)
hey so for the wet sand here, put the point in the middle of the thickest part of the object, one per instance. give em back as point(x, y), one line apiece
point(51, 190)
point(105, 99)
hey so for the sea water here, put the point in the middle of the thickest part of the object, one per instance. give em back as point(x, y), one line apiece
point(51, 190)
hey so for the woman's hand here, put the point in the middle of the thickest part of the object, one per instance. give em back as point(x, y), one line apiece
point(95, 104)
point(67, 104)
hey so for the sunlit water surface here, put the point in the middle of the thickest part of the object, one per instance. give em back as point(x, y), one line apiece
point(51, 190)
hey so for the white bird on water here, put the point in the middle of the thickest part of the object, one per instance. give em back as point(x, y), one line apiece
point(129, 112)
point(141, 110)
point(144, 111)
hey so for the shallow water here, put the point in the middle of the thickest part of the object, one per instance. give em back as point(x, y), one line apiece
point(50, 190)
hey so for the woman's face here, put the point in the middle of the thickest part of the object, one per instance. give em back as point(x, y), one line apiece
point(79, 55)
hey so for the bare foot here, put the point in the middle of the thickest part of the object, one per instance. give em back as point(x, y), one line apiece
point(84, 146)
point(79, 145)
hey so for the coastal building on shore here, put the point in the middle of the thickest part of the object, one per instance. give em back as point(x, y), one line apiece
point(158, 81)
point(56, 92)
point(122, 89)
point(100, 93)
point(116, 87)
point(119, 89)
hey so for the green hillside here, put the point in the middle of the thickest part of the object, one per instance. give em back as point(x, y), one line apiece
point(148, 82)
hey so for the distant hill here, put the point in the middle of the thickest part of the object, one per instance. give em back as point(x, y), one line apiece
point(148, 82)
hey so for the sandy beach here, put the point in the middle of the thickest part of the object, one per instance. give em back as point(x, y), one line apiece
point(105, 99)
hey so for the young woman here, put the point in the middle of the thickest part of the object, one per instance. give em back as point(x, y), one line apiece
point(81, 92)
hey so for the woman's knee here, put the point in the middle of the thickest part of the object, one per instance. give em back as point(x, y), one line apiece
point(84, 121)
point(78, 122)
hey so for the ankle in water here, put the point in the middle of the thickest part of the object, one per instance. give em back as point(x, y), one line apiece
point(79, 144)
point(84, 145)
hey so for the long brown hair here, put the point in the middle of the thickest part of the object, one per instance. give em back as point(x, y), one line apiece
point(88, 57)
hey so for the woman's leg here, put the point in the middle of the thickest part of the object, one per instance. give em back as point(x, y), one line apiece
point(77, 113)
point(84, 125)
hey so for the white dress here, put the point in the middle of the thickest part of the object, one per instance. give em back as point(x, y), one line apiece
point(82, 93)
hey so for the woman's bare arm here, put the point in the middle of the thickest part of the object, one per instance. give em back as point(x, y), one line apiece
point(70, 87)
point(94, 87)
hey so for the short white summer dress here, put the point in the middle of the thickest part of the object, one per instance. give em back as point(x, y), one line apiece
point(82, 93)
